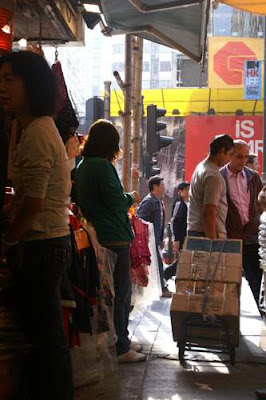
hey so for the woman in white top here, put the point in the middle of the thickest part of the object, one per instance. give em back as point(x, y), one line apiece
point(39, 220)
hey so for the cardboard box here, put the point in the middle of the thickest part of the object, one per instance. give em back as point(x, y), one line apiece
point(216, 289)
point(200, 265)
point(200, 272)
point(187, 307)
point(203, 257)
point(215, 305)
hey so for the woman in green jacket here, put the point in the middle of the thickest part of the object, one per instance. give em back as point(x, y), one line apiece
point(103, 202)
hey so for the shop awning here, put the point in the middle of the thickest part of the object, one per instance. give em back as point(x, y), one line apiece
point(180, 24)
point(47, 21)
point(253, 6)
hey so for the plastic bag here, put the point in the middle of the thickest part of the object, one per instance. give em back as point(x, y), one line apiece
point(97, 355)
point(144, 296)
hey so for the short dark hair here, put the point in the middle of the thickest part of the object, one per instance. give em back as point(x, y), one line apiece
point(154, 180)
point(221, 142)
point(102, 141)
point(183, 185)
point(251, 158)
point(38, 78)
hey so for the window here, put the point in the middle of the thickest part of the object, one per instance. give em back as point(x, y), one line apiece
point(145, 84)
point(147, 46)
point(165, 66)
point(165, 84)
point(118, 48)
point(146, 66)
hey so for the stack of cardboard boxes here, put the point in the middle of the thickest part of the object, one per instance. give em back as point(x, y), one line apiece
point(208, 280)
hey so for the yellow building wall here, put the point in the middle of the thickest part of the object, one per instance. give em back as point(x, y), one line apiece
point(192, 100)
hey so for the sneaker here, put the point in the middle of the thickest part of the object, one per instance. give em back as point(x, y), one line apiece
point(136, 347)
point(131, 357)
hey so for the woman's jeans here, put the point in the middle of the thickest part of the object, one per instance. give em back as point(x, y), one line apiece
point(122, 284)
point(48, 365)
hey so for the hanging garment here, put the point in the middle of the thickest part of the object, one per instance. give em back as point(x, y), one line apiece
point(65, 119)
point(139, 252)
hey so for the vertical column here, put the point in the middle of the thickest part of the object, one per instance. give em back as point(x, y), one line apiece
point(107, 99)
point(127, 114)
point(137, 111)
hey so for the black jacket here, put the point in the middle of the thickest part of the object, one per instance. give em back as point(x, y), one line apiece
point(179, 222)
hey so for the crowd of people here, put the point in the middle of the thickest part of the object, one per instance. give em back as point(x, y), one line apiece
point(224, 202)
point(220, 202)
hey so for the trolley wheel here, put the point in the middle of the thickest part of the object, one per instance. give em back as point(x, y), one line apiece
point(232, 355)
point(181, 352)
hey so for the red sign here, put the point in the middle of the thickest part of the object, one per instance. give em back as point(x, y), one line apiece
point(200, 131)
point(229, 62)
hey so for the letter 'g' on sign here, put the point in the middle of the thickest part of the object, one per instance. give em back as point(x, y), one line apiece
point(227, 57)
point(229, 62)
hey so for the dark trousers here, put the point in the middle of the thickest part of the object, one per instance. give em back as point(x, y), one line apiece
point(122, 285)
point(160, 264)
point(170, 270)
point(48, 364)
point(252, 269)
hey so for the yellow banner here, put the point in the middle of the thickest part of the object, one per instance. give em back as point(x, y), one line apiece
point(227, 56)
point(187, 101)
point(253, 6)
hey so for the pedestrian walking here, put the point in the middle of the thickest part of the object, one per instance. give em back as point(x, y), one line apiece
point(208, 204)
point(242, 222)
point(178, 224)
point(261, 393)
point(151, 209)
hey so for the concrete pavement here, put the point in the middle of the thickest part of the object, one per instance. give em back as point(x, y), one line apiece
point(203, 376)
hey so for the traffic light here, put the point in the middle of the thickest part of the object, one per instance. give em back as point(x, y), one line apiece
point(94, 109)
point(154, 140)
point(150, 168)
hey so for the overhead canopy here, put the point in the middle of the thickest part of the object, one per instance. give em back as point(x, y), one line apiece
point(48, 21)
point(180, 24)
point(253, 6)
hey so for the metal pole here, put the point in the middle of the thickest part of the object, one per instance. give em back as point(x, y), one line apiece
point(263, 175)
point(127, 113)
point(107, 99)
point(137, 111)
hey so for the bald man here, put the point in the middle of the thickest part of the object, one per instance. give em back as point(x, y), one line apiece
point(243, 186)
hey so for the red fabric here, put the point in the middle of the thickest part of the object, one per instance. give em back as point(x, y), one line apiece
point(62, 89)
point(74, 223)
point(9, 193)
point(6, 39)
point(139, 252)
